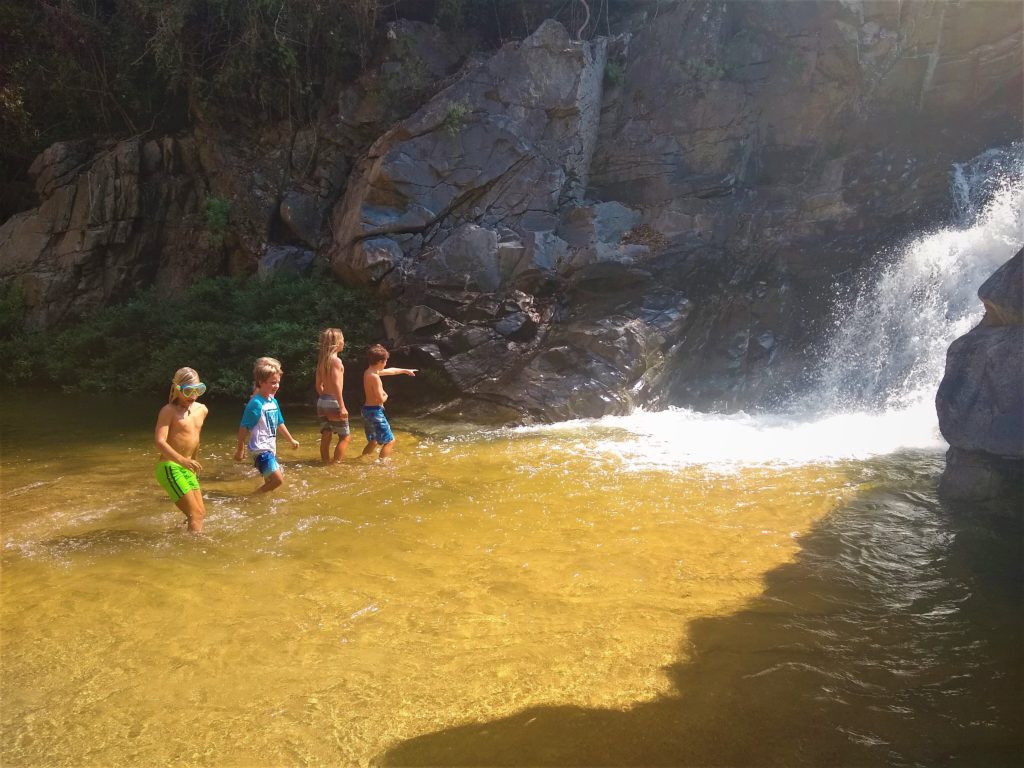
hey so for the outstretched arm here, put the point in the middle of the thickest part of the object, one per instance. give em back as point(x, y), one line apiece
point(397, 371)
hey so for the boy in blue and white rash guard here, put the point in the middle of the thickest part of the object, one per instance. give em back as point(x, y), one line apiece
point(261, 421)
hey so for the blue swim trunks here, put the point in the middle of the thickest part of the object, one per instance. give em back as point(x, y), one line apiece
point(376, 426)
point(266, 463)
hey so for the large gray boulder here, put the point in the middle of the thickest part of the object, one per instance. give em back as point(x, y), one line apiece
point(1003, 295)
point(981, 398)
point(469, 216)
point(980, 401)
point(505, 146)
point(285, 259)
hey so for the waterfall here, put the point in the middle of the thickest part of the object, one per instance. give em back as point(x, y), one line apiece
point(974, 184)
point(878, 376)
point(889, 348)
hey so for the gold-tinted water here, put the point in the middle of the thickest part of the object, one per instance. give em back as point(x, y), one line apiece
point(365, 604)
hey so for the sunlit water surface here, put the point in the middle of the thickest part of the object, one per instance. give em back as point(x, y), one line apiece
point(657, 589)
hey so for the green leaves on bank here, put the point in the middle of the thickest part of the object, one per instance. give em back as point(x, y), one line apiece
point(219, 327)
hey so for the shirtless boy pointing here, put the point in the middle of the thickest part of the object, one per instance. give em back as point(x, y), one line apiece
point(375, 423)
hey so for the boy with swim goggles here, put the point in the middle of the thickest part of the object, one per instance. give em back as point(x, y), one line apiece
point(176, 437)
point(192, 391)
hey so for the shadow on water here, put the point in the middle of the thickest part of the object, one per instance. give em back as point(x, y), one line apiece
point(894, 638)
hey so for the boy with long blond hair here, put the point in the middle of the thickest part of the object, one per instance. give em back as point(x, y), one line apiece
point(330, 401)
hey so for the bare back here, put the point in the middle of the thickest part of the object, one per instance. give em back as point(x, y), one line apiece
point(335, 380)
point(180, 428)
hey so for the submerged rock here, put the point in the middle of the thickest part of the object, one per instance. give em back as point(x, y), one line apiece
point(980, 477)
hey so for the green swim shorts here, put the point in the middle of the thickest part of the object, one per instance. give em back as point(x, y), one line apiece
point(175, 479)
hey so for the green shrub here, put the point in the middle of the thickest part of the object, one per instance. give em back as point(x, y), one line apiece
point(455, 118)
point(704, 71)
point(450, 14)
point(219, 327)
point(614, 73)
point(12, 309)
point(218, 213)
point(17, 352)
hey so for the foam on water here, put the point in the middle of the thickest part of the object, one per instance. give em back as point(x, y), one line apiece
point(680, 437)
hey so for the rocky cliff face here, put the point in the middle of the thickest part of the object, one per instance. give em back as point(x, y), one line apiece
point(980, 401)
point(120, 216)
point(787, 143)
point(469, 217)
point(570, 228)
point(115, 217)
point(749, 157)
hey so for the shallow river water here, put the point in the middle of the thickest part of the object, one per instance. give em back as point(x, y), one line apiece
point(571, 595)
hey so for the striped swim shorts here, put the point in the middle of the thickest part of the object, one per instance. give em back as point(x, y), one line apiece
point(175, 479)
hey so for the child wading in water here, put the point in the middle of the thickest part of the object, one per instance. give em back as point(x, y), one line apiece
point(177, 438)
point(375, 423)
point(330, 402)
point(261, 421)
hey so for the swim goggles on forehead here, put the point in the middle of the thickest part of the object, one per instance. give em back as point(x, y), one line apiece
point(192, 390)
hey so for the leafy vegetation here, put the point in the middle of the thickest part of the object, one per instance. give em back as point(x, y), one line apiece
point(217, 211)
point(219, 327)
point(401, 84)
point(81, 68)
point(614, 73)
point(455, 118)
point(78, 68)
point(704, 70)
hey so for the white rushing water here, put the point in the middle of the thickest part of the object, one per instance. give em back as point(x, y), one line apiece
point(876, 392)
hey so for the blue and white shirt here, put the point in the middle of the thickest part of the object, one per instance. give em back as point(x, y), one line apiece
point(262, 416)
